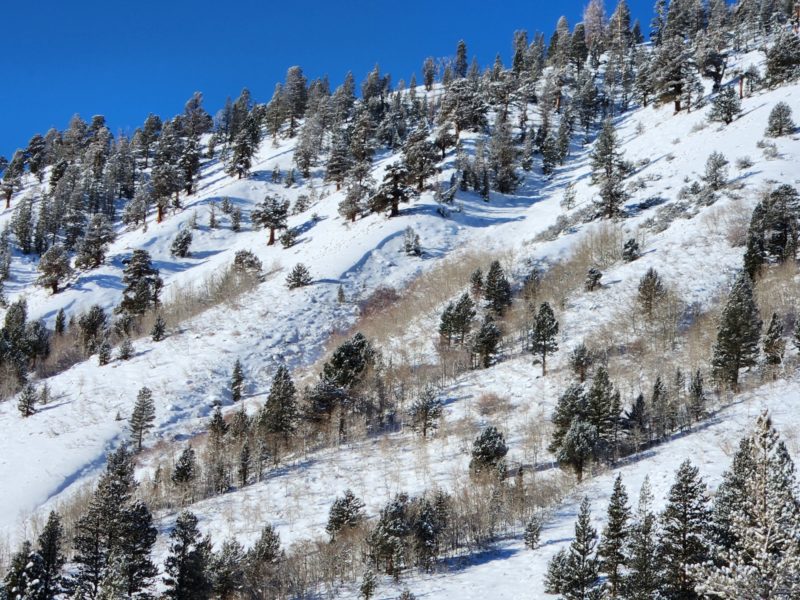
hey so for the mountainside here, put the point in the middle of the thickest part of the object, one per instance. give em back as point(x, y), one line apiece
point(636, 191)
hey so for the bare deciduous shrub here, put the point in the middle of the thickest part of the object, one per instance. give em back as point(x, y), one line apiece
point(490, 404)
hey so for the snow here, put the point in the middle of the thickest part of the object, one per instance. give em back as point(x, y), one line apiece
point(47, 457)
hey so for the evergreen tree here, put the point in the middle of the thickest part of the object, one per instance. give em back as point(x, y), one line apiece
point(612, 548)
point(27, 400)
point(54, 268)
point(346, 512)
point(271, 214)
point(726, 106)
point(759, 556)
point(137, 537)
point(181, 243)
point(393, 191)
point(774, 344)
point(497, 289)
point(697, 397)
point(543, 334)
point(187, 566)
point(642, 580)
point(533, 532)
point(460, 65)
point(159, 330)
point(22, 579)
point(143, 416)
point(651, 292)
point(426, 411)
point(577, 572)
point(50, 550)
point(485, 342)
point(488, 452)
point(716, 175)
point(579, 361)
point(780, 121)
point(738, 334)
point(186, 468)
point(237, 381)
point(577, 447)
point(593, 277)
point(682, 544)
point(226, 570)
point(280, 413)
point(609, 170)
point(783, 58)
point(99, 234)
point(299, 277)
point(142, 284)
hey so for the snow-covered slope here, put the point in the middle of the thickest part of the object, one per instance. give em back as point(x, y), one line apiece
point(46, 457)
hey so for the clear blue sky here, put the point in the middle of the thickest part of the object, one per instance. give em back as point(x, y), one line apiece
point(126, 59)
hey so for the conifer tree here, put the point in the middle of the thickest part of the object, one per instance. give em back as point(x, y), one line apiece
point(726, 106)
point(488, 452)
point(426, 410)
point(697, 397)
point(27, 400)
point(738, 334)
point(49, 547)
point(577, 572)
point(716, 175)
point(188, 562)
point(237, 381)
point(159, 330)
point(608, 171)
point(271, 214)
point(185, 470)
point(485, 341)
point(642, 580)
point(143, 416)
point(280, 413)
point(346, 512)
point(99, 234)
point(651, 292)
point(54, 268)
point(299, 277)
point(497, 289)
point(774, 344)
point(543, 334)
point(181, 243)
point(142, 284)
point(612, 548)
point(682, 543)
point(783, 58)
point(780, 121)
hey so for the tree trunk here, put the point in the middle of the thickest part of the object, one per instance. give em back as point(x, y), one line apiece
point(544, 364)
point(54, 287)
point(677, 105)
point(741, 88)
point(160, 214)
point(271, 236)
point(395, 210)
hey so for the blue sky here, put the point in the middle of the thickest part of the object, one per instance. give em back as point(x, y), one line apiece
point(126, 59)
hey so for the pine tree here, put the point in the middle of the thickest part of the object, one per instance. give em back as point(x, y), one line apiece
point(612, 548)
point(780, 121)
point(497, 289)
point(137, 537)
point(759, 557)
point(271, 214)
point(227, 572)
point(425, 412)
point(245, 463)
point(104, 353)
point(578, 573)
point(642, 580)
point(61, 322)
point(125, 349)
point(543, 334)
point(682, 544)
point(181, 243)
point(593, 277)
point(485, 341)
point(651, 292)
point(99, 234)
point(716, 175)
point(280, 413)
point(393, 191)
point(188, 562)
point(476, 284)
point(237, 381)
point(697, 397)
point(488, 452)
point(142, 284)
point(346, 512)
point(726, 106)
point(608, 171)
point(143, 416)
point(49, 548)
point(783, 58)
point(185, 470)
point(27, 400)
point(579, 361)
point(533, 532)
point(299, 277)
point(22, 579)
point(54, 268)
point(774, 345)
point(578, 447)
point(159, 331)
point(738, 334)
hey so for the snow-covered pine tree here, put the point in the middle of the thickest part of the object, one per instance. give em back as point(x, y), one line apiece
point(642, 579)
point(577, 572)
point(716, 174)
point(346, 512)
point(271, 214)
point(488, 453)
point(159, 331)
point(27, 400)
point(485, 341)
point(142, 284)
point(611, 551)
point(738, 334)
point(54, 268)
point(682, 544)
point(774, 345)
point(92, 251)
point(425, 411)
point(187, 565)
point(181, 243)
point(280, 414)
point(726, 106)
point(237, 381)
point(651, 292)
point(497, 289)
